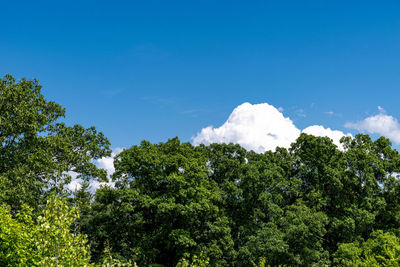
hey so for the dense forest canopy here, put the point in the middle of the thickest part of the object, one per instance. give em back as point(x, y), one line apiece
point(178, 204)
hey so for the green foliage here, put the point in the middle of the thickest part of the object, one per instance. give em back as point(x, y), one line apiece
point(304, 231)
point(17, 247)
point(48, 242)
point(381, 249)
point(196, 261)
point(263, 263)
point(310, 205)
point(291, 206)
point(37, 150)
point(56, 245)
point(110, 261)
point(267, 242)
point(166, 206)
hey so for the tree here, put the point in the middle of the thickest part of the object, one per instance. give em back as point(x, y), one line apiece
point(56, 244)
point(381, 249)
point(292, 207)
point(352, 187)
point(37, 150)
point(304, 230)
point(256, 188)
point(48, 242)
point(17, 247)
point(166, 207)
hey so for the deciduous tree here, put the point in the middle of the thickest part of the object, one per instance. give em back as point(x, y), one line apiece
point(37, 150)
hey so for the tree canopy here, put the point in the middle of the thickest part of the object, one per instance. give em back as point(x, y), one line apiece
point(293, 207)
point(38, 151)
point(175, 204)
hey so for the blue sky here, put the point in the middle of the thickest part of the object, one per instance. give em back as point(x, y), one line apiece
point(158, 69)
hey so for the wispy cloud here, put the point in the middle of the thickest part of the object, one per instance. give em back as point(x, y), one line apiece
point(170, 101)
point(147, 53)
point(381, 109)
point(300, 113)
point(112, 93)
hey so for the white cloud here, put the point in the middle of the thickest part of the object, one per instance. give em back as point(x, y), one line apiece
point(258, 127)
point(75, 182)
point(335, 135)
point(381, 109)
point(94, 185)
point(381, 124)
point(106, 163)
point(301, 113)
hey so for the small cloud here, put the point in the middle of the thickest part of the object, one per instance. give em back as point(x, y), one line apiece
point(381, 124)
point(300, 113)
point(330, 113)
point(112, 93)
point(75, 183)
point(106, 163)
point(381, 109)
point(281, 109)
point(195, 112)
point(164, 102)
point(94, 185)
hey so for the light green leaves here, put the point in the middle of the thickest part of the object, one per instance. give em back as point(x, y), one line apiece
point(48, 242)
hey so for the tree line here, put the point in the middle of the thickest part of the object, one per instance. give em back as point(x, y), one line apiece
point(175, 204)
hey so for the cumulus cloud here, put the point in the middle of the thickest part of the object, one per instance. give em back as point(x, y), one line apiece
point(259, 127)
point(381, 124)
point(335, 135)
